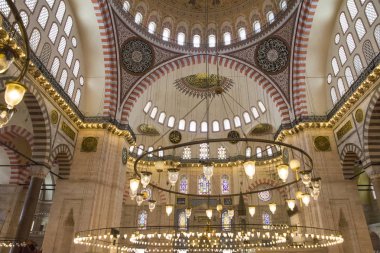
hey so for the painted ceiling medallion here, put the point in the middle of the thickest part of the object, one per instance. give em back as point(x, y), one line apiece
point(200, 85)
point(175, 137)
point(322, 143)
point(233, 135)
point(147, 129)
point(272, 55)
point(137, 56)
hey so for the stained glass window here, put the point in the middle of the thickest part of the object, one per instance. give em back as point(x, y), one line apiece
point(225, 184)
point(152, 27)
point(211, 40)
point(204, 186)
point(142, 219)
point(264, 196)
point(183, 184)
point(248, 152)
point(186, 153)
point(182, 221)
point(226, 221)
point(222, 153)
point(266, 218)
point(204, 151)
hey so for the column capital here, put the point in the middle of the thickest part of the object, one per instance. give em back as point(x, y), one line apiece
point(38, 171)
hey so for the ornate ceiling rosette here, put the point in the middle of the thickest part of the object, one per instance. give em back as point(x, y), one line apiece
point(137, 56)
point(202, 85)
point(272, 55)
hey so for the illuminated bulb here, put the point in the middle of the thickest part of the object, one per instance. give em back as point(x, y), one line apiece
point(283, 172)
point(291, 203)
point(294, 164)
point(152, 205)
point(145, 178)
point(219, 207)
point(250, 168)
point(208, 171)
point(134, 184)
point(139, 199)
point(188, 212)
point(252, 210)
point(306, 199)
point(299, 195)
point(209, 213)
point(272, 207)
point(14, 93)
point(231, 213)
point(173, 176)
point(6, 58)
point(169, 209)
point(306, 177)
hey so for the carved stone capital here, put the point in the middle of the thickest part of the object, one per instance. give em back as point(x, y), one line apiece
point(39, 171)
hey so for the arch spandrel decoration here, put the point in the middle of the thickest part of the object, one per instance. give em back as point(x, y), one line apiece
point(270, 88)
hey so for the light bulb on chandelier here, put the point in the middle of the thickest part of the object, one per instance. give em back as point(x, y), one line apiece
point(273, 207)
point(168, 209)
point(306, 177)
point(291, 203)
point(134, 184)
point(173, 174)
point(209, 213)
point(250, 168)
point(283, 172)
point(139, 199)
point(145, 178)
point(231, 213)
point(252, 210)
point(188, 212)
point(306, 199)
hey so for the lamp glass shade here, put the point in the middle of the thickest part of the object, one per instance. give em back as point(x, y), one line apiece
point(173, 175)
point(5, 115)
point(231, 213)
point(152, 205)
point(209, 213)
point(134, 184)
point(294, 164)
point(169, 209)
point(252, 210)
point(188, 212)
point(306, 199)
point(139, 199)
point(14, 93)
point(132, 194)
point(6, 59)
point(291, 203)
point(250, 169)
point(219, 207)
point(299, 195)
point(273, 207)
point(306, 177)
point(145, 178)
point(160, 165)
point(283, 172)
point(208, 171)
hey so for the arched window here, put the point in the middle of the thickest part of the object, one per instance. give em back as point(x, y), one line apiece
point(226, 221)
point(343, 22)
point(34, 40)
point(25, 18)
point(181, 39)
point(226, 124)
point(182, 124)
point(70, 90)
point(63, 79)
point(262, 107)
point(256, 26)
point(196, 40)
point(246, 117)
point(45, 53)
point(126, 6)
point(222, 153)
point(153, 113)
point(138, 18)
point(140, 150)
point(334, 97)
point(68, 25)
point(335, 66)
point(211, 40)
point(69, 57)
point(165, 34)
point(342, 55)
point(269, 150)
point(204, 127)
point(227, 38)
point(76, 68)
point(341, 88)
point(242, 33)
point(31, 4)
point(62, 46)
point(237, 121)
point(351, 6)
point(349, 76)
point(61, 11)
point(147, 106)
point(152, 27)
point(204, 186)
point(183, 184)
point(150, 149)
point(43, 17)
point(359, 27)
point(358, 64)
point(283, 5)
point(259, 152)
point(369, 53)
point(193, 126)
point(77, 97)
point(370, 13)
point(160, 153)
point(266, 218)
point(171, 121)
point(255, 112)
point(215, 126)
point(142, 219)
point(225, 184)
point(161, 118)
point(182, 221)
point(248, 152)
point(270, 17)
point(53, 32)
point(376, 34)
point(54, 67)
point(350, 43)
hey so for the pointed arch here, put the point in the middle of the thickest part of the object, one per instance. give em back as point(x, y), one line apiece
point(349, 155)
point(61, 154)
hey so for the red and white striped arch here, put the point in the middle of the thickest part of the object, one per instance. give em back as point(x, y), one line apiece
point(142, 85)
point(264, 181)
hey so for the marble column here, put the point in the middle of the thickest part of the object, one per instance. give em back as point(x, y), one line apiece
point(375, 179)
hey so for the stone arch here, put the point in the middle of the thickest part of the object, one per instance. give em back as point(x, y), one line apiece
point(63, 157)
point(265, 181)
point(178, 63)
point(349, 157)
point(371, 133)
